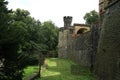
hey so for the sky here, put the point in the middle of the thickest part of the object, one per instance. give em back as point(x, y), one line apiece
point(54, 10)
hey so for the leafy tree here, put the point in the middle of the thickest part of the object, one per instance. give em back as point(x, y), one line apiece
point(4, 19)
point(91, 17)
point(20, 36)
point(8, 45)
point(11, 56)
point(50, 32)
point(13, 37)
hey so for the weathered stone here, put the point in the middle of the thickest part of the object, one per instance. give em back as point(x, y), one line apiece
point(80, 45)
point(63, 36)
point(67, 21)
point(75, 46)
point(108, 55)
point(94, 37)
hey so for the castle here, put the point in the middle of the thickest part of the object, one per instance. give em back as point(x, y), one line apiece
point(75, 42)
point(94, 47)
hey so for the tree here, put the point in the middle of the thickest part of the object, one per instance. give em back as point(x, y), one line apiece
point(11, 56)
point(14, 36)
point(50, 32)
point(20, 36)
point(4, 19)
point(91, 17)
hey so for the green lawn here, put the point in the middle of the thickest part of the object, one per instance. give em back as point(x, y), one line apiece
point(60, 69)
point(30, 71)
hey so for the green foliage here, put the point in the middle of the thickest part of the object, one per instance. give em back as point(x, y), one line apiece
point(20, 36)
point(12, 35)
point(4, 13)
point(91, 17)
point(50, 33)
point(4, 19)
point(32, 60)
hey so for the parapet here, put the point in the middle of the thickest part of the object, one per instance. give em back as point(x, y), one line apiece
point(67, 21)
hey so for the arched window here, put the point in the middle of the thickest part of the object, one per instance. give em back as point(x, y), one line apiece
point(81, 31)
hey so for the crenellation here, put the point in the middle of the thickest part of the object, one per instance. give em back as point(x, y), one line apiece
point(95, 46)
point(74, 44)
point(67, 21)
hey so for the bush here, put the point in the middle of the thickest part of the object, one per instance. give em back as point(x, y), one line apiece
point(33, 61)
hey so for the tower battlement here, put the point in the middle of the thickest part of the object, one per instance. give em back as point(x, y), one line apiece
point(67, 21)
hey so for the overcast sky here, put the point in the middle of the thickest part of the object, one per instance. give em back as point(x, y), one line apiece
point(54, 10)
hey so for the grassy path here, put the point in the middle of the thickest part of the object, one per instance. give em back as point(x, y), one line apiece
point(59, 69)
point(29, 71)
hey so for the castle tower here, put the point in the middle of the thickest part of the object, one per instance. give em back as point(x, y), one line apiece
point(67, 21)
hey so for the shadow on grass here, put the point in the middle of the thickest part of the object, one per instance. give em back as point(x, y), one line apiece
point(60, 69)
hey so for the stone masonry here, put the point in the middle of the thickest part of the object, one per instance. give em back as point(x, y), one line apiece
point(75, 43)
point(107, 65)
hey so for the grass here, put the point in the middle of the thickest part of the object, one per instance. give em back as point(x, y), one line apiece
point(29, 71)
point(60, 69)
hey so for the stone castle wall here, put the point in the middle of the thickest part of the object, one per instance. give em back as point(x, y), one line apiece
point(73, 48)
point(62, 46)
point(108, 54)
point(101, 54)
point(80, 48)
